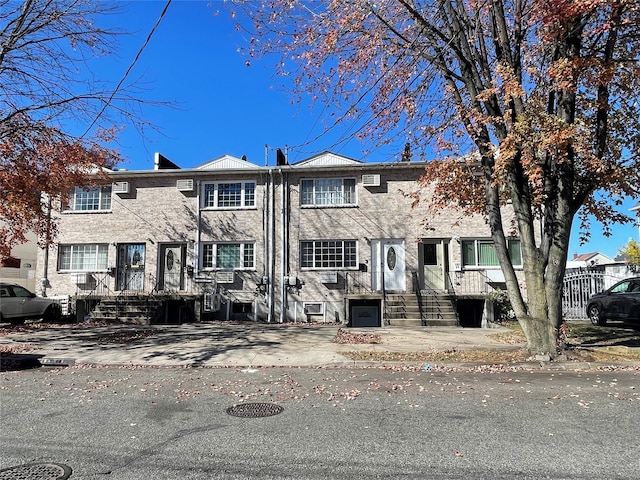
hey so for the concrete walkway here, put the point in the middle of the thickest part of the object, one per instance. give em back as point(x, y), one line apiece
point(232, 344)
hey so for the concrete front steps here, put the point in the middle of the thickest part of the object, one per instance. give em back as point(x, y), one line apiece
point(411, 310)
point(139, 310)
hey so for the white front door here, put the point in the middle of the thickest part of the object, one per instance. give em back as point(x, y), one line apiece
point(388, 272)
point(172, 268)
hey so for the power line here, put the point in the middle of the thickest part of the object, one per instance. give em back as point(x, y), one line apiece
point(126, 74)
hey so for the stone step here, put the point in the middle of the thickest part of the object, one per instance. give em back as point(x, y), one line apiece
point(442, 322)
point(134, 310)
point(410, 310)
point(405, 322)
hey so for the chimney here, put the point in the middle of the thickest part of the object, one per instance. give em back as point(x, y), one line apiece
point(281, 159)
point(406, 154)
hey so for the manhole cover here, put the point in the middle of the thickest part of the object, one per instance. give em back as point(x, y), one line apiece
point(254, 410)
point(36, 471)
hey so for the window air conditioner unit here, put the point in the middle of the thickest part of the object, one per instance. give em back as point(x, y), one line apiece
point(371, 180)
point(225, 277)
point(120, 187)
point(80, 278)
point(211, 302)
point(313, 308)
point(185, 185)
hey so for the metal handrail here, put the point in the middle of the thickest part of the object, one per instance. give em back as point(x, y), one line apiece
point(416, 288)
point(355, 281)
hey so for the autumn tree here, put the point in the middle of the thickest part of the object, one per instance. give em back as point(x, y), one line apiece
point(38, 167)
point(631, 252)
point(56, 117)
point(541, 94)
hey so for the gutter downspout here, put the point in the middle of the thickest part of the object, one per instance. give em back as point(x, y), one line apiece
point(284, 253)
point(44, 282)
point(196, 247)
point(270, 246)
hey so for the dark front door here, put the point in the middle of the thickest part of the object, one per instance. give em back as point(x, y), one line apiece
point(130, 272)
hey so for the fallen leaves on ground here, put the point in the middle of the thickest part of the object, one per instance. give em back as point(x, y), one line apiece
point(356, 338)
point(128, 336)
point(16, 349)
point(34, 326)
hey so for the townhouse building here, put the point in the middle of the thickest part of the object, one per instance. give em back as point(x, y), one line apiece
point(327, 239)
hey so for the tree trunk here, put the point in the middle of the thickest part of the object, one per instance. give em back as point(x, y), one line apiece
point(541, 336)
point(536, 321)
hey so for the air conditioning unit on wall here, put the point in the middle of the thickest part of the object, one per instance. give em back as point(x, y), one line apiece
point(185, 185)
point(371, 180)
point(80, 278)
point(313, 308)
point(211, 302)
point(120, 187)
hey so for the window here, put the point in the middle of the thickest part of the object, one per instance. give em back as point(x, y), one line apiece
point(21, 292)
point(482, 253)
point(84, 257)
point(96, 199)
point(328, 254)
point(328, 192)
point(228, 256)
point(229, 195)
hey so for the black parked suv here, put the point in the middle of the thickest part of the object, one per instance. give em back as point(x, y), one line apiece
point(620, 302)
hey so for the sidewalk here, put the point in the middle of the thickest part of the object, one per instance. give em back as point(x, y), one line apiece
point(232, 344)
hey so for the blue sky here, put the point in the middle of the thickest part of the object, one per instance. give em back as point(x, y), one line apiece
point(221, 106)
point(224, 107)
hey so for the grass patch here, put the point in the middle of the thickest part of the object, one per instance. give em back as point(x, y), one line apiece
point(449, 356)
point(604, 344)
point(514, 336)
point(584, 343)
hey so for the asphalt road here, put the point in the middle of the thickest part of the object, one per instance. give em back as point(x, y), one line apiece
point(172, 423)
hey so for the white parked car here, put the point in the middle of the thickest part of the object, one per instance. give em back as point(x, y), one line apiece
point(18, 304)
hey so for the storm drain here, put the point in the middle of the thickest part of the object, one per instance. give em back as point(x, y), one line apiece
point(57, 362)
point(255, 410)
point(36, 471)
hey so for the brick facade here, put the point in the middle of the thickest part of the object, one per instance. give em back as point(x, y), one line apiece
point(172, 227)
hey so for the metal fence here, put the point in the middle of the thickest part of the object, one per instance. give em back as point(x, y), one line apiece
point(578, 289)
